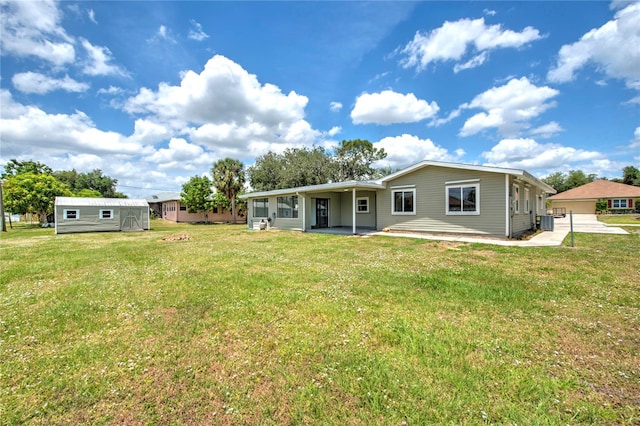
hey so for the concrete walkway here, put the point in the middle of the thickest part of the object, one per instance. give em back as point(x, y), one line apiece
point(585, 223)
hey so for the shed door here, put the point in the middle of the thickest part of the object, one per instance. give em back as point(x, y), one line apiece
point(131, 219)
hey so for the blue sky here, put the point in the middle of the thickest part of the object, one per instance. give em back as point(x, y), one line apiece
point(153, 93)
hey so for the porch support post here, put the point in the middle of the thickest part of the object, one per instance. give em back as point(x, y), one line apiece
point(354, 210)
point(304, 212)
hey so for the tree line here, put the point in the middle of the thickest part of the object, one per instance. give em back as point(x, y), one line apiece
point(32, 187)
point(295, 167)
point(563, 182)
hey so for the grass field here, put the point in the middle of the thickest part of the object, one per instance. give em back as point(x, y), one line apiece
point(620, 219)
point(232, 326)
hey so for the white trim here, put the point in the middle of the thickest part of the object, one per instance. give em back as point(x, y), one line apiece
point(454, 182)
point(353, 213)
point(111, 215)
point(527, 202)
point(393, 200)
point(475, 212)
point(358, 205)
point(65, 213)
point(507, 204)
point(516, 198)
point(402, 186)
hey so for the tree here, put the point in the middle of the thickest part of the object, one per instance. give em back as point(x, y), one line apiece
point(196, 195)
point(15, 167)
point(557, 181)
point(88, 193)
point(578, 178)
point(631, 176)
point(229, 179)
point(93, 180)
point(33, 193)
point(267, 172)
point(354, 159)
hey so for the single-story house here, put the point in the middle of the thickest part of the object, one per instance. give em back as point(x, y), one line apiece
point(582, 199)
point(167, 205)
point(430, 196)
point(77, 214)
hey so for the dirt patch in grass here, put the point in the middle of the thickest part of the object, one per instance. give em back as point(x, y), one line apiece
point(177, 237)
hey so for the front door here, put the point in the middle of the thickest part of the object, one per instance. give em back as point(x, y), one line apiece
point(322, 212)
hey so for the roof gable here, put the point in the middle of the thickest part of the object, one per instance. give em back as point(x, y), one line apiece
point(599, 189)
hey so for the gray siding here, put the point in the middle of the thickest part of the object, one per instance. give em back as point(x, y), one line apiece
point(363, 220)
point(430, 186)
point(89, 219)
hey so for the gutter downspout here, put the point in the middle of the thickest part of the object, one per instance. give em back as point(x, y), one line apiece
point(354, 209)
point(507, 227)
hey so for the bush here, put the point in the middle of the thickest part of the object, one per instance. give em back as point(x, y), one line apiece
point(601, 206)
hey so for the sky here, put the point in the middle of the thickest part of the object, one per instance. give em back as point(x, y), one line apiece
point(154, 92)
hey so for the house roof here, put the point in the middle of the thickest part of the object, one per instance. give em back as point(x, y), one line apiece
point(337, 186)
point(164, 196)
point(599, 189)
point(381, 183)
point(100, 202)
point(523, 174)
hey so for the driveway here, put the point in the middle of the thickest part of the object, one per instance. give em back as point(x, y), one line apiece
point(587, 223)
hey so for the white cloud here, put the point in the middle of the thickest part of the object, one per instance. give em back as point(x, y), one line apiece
point(98, 61)
point(335, 106)
point(453, 40)
point(508, 108)
point(404, 150)
point(529, 154)
point(635, 143)
point(92, 16)
point(180, 155)
point(612, 48)
point(111, 90)
point(546, 131)
point(165, 34)
point(33, 29)
point(474, 62)
point(33, 82)
point(388, 107)
point(334, 131)
point(230, 108)
point(196, 33)
point(29, 130)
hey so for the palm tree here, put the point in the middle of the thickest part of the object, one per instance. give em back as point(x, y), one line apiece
point(229, 179)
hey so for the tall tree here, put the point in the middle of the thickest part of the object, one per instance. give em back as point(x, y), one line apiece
point(94, 180)
point(196, 195)
point(354, 159)
point(631, 176)
point(557, 181)
point(15, 167)
point(229, 179)
point(267, 172)
point(33, 193)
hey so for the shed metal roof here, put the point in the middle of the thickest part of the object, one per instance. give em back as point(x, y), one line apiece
point(100, 202)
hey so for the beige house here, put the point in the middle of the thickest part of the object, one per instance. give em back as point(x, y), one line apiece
point(582, 200)
point(429, 196)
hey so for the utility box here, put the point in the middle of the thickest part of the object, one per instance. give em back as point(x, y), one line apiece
point(545, 222)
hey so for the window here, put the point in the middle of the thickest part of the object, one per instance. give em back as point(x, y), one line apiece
point(516, 198)
point(463, 199)
point(540, 203)
point(526, 200)
point(620, 204)
point(106, 214)
point(362, 205)
point(403, 201)
point(183, 208)
point(71, 214)
point(288, 207)
point(261, 207)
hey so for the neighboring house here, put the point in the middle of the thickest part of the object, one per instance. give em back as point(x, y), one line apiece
point(429, 196)
point(582, 199)
point(167, 205)
point(76, 214)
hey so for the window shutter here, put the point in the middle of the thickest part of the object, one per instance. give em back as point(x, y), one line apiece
point(609, 203)
point(630, 203)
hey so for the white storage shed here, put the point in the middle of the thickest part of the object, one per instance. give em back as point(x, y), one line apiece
point(76, 214)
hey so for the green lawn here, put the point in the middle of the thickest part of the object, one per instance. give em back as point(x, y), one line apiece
point(246, 327)
point(620, 219)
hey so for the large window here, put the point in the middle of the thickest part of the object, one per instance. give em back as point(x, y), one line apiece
point(71, 214)
point(362, 204)
point(288, 207)
point(463, 199)
point(403, 201)
point(261, 207)
point(620, 203)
